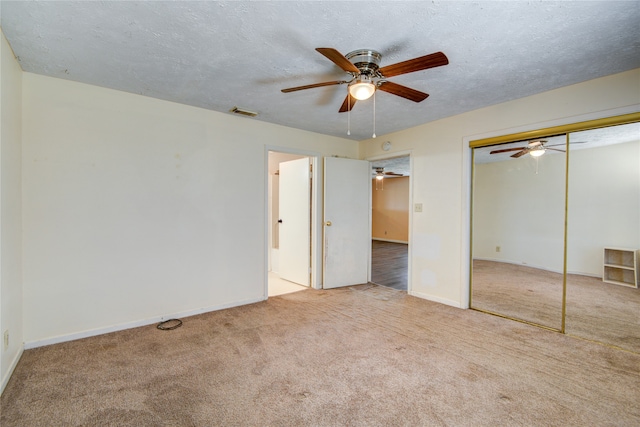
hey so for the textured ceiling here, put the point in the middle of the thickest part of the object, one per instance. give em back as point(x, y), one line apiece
point(218, 55)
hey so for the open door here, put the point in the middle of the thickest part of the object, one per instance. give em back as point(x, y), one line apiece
point(347, 229)
point(294, 226)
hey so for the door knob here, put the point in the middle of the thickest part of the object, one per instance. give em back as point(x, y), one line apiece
point(328, 223)
point(280, 221)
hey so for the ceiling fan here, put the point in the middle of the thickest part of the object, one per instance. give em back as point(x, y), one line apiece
point(534, 148)
point(380, 173)
point(366, 76)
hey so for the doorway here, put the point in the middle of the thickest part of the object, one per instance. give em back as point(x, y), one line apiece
point(390, 208)
point(289, 195)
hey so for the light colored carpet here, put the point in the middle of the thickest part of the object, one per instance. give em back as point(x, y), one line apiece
point(358, 356)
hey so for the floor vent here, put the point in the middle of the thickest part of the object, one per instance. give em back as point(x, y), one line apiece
point(236, 110)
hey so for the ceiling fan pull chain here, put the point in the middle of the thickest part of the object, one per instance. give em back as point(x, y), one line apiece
point(348, 113)
point(374, 114)
point(536, 165)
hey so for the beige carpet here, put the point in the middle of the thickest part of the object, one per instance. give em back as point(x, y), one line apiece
point(358, 356)
point(598, 311)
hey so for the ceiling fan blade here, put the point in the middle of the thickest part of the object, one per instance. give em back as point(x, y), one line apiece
point(504, 150)
point(339, 59)
point(293, 89)
point(519, 154)
point(563, 144)
point(393, 174)
point(416, 64)
point(403, 91)
point(555, 149)
point(347, 105)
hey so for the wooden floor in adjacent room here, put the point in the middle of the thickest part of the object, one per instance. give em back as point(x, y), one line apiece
point(389, 264)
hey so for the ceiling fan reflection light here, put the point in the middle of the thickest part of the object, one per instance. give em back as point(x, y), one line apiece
point(537, 152)
point(379, 177)
point(362, 88)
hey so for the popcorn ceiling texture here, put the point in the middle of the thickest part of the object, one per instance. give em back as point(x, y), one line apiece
point(216, 55)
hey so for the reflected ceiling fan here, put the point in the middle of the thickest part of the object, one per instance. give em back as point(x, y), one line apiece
point(366, 76)
point(534, 148)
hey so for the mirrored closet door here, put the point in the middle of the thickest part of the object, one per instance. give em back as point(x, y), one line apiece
point(555, 229)
point(518, 229)
point(603, 236)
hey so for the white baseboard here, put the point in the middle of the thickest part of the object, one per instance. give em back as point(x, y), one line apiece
point(440, 300)
point(129, 325)
point(390, 240)
point(521, 264)
point(12, 367)
point(599, 276)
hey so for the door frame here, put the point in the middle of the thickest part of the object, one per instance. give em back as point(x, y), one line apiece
point(316, 214)
point(404, 153)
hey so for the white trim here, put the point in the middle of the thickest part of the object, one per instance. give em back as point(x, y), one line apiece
point(537, 267)
point(129, 325)
point(391, 155)
point(465, 226)
point(520, 264)
point(390, 240)
point(409, 236)
point(445, 301)
point(12, 367)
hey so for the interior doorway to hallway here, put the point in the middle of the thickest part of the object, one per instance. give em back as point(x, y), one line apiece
point(289, 248)
point(390, 208)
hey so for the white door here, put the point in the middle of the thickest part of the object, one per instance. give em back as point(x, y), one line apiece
point(347, 233)
point(295, 221)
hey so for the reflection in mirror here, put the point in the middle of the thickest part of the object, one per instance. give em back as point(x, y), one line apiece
point(603, 302)
point(518, 219)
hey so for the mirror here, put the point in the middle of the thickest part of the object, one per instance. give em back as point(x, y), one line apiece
point(518, 234)
point(603, 236)
point(518, 214)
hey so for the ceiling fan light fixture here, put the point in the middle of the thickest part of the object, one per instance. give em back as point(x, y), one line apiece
point(537, 152)
point(362, 88)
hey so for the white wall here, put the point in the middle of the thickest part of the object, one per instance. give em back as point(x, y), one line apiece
point(441, 171)
point(137, 208)
point(523, 212)
point(10, 211)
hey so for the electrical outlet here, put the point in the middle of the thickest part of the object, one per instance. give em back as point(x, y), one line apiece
point(497, 248)
point(418, 207)
point(5, 340)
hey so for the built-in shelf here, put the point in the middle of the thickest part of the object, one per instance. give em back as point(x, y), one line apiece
point(621, 266)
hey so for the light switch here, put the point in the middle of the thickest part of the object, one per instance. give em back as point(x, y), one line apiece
point(417, 207)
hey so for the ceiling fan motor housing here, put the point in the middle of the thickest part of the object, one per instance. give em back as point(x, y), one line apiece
point(366, 60)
